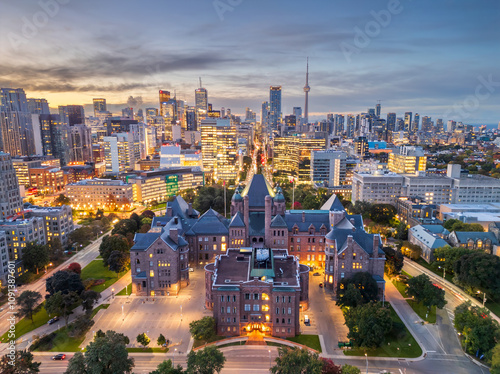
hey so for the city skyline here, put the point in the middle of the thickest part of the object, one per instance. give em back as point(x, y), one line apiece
point(426, 59)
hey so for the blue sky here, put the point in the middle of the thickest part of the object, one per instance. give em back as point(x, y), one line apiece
point(430, 57)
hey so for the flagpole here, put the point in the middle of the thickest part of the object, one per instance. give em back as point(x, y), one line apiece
point(225, 214)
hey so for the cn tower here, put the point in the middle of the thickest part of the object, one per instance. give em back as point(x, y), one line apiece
point(306, 90)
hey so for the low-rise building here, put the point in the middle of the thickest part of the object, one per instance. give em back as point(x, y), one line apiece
point(93, 194)
point(428, 237)
point(414, 211)
point(257, 289)
point(47, 180)
point(58, 221)
point(4, 258)
point(485, 241)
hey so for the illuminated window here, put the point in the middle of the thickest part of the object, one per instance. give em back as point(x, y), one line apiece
point(151, 273)
point(330, 279)
point(223, 247)
point(356, 265)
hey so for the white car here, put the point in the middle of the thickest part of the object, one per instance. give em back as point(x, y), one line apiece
point(191, 269)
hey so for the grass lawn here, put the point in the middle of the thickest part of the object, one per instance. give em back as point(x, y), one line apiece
point(401, 287)
point(97, 270)
point(199, 343)
point(421, 310)
point(439, 272)
point(124, 291)
point(398, 343)
point(494, 307)
point(95, 310)
point(148, 350)
point(25, 325)
point(62, 342)
point(311, 341)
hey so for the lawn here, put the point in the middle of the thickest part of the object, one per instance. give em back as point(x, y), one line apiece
point(421, 310)
point(398, 343)
point(311, 341)
point(126, 291)
point(97, 270)
point(25, 325)
point(199, 343)
point(439, 272)
point(148, 350)
point(494, 307)
point(62, 342)
point(401, 287)
point(94, 311)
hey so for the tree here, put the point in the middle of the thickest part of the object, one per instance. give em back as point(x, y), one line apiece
point(75, 267)
point(27, 302)
point(62, 200)
point(203, 329)
point(366, 285)
point(77, 364)
point(447, 256)
point(64, 281)
point(125, 226)
point(382, 213)
point(205, 361)
point(21, 364)
point(112, 243)
point(349, 369)
point(212, 197)
point(424, 291)
point(411, 250)
point(481, 271)
point(55, 248)
point(118, 261)
point(368, 324)
point(81, 234)
point(401, 231)
point(89, 299)
point(148, 214)
point(134, 216)
point(35, 256)
point(394, 261)
point(105, 355)
point(495, 360)
point(161, 340)
point(61, 304)
point(457, 225)
point(295, 360)
point(480, 331)
point(329, 367)
point(143, 339)
point(166, 367)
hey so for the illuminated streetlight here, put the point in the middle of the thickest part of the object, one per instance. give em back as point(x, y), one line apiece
point(366, 356)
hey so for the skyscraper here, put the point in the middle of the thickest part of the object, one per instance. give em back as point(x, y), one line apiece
point(201, 102)
point(408, 116)
point(99, 106)
point(427, 124)
point(164, 97)
point(274, 106)
point(416, 123)
point(377, 110)
point(38, 106)
point(54, 136)
point(439, 126)
point(264, 114)
point(306, 91)
point(16, 129)
point(72, 114)
point(10, 198)
point(391, 122)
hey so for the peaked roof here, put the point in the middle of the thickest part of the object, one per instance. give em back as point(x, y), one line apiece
point(144, 241)
point(237, 220)
point(278, 221)
point(180, 208)
point(463, 236)
point(257, 190)
point(333, 203)
point(210, 223)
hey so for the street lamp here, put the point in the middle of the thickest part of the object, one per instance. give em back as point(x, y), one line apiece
point(444, 271)
point(123, 319)
point(113, 293)
point(269, 358)
point(173, 358)
point(366, 357)
point(181, 313)
point(484, 297)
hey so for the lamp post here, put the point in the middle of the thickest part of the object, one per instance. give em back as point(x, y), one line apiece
point(113, 293)
point(484, 297)
point(444, 272)
point(366, 357)
point(123, 319)
point(181, 313)
point(269, 358)
point(173, 357)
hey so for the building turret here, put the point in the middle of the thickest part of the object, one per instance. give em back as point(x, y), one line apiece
point(236, 203)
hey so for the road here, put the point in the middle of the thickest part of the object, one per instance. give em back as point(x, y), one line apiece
point(84, 257)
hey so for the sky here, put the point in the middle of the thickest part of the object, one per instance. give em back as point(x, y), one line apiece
point(435, 58)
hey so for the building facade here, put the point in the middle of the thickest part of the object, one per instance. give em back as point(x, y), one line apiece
point(93, 194)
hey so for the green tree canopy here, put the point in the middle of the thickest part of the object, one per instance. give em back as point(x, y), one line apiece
point(62, 200)
point(208, 360)
point(125, 226)
point(23, 363)
point(143, 339)
point(89, 299)
point(447, 256)
point(35, 256)
point(77, 364)
point(495, 360)
point(64, 281)
point(297, 361)
point(394, 261)
point(424, 291)
point(212, 197)
point(161, 340)
point(364, 283)
point(368, 324)
point(61, 304)
point(27, 302)
point(118, 261)
point(112, 243)
point(203, 329)
point(457, 225)
point(479, 271)
point(166, 367)
point(349, 369)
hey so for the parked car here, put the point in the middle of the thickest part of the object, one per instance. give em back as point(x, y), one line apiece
point(60, 356)
point(316, 274)
point(307, 321)
point(53, 320)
